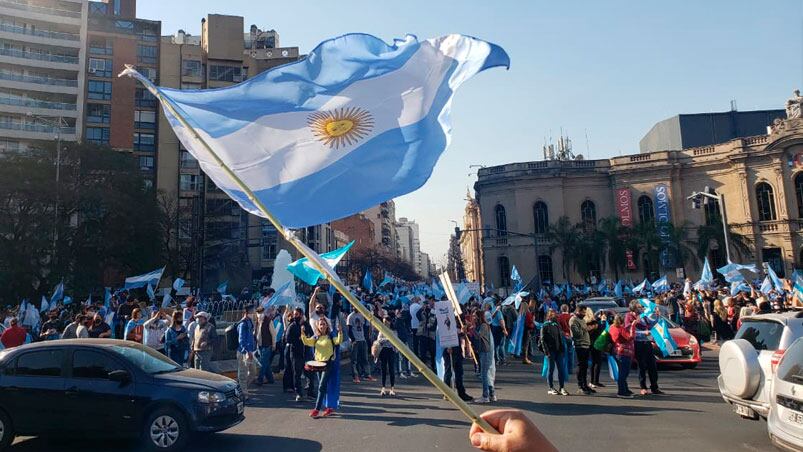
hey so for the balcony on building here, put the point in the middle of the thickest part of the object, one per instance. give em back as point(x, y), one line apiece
point(24, 127)
point(39, 55)
point(20, 79)
point(57, 11)
point(38, 104)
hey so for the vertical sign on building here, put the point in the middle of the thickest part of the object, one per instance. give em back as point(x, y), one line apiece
point(623, 208)
point(663, 219)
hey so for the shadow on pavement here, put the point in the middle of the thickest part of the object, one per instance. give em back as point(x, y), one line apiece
point(216, 442)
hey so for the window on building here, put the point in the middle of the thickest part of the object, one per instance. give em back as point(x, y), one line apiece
point(145, 162)
point(147, 54)
point(545, 269)
point(799, 193)
point(100, 67)
point(144, 141)
point(187, 160)
point(774, 258)
point(98, 135)
point(270, 240)
point(100, 46)
point(540, 218)
point(504, 271)
point(99, 90)
point(646, 212)
point(144, 98)
point(185, 229)
point(9, 145)
point(220, 73)
point(711, 211)
point(98, 113)
point(144, 119)
point(97, 8)
point(116, 7)
point(766, 202)
point(149, 72)
point(125, 26)
point(188, 182)
point(588, 214)
point(191, 68)
point(501, 220)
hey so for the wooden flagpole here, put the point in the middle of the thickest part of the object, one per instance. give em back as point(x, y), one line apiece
point(316, 262)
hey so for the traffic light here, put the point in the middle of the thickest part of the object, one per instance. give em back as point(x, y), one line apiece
point(457, 232)
point(695, 202)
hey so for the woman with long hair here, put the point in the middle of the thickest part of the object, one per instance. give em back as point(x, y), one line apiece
point(485, 349)
point(177, 341)
point(324, 346)
point(387, 356)
point(553, 347)
point(624, 350)
point(135, 329)
point(720, 320)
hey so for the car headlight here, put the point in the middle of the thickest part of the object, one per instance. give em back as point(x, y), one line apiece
point(211, 397)
point(692, 340)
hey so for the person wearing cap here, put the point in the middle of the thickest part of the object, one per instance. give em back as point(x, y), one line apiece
point(202, 342)
point(246, 346)
point(14, 335)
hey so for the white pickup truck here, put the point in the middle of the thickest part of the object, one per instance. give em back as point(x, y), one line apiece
point(747, 363)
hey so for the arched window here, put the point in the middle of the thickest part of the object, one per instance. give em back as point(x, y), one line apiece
point(540, 218)
point(766, 202)
point(504, 271)
point(588, 214)
point(711, 209)
point(501, 220)
point(799, 193)
point(545, 269)
point(646, 212)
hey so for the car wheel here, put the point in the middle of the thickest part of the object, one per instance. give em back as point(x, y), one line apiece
point(690, 366)
point(6, 431)
point(165, 430)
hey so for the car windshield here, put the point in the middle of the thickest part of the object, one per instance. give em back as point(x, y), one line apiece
point(150, 361)
point(791, 367)
point(762, 334)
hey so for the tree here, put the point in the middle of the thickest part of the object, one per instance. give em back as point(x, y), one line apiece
point(563, 235)
point(677, 243)
point(101, 217)
point(454, 264)
point(379, 262)
point(614, 236)
point(646, 243)
point(712, 233)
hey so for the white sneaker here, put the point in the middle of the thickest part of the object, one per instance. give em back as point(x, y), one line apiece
point(552, 392)
point(403, 376)
point(493, 398)
point(482, 400)
point(413, 374)
point(563, 392)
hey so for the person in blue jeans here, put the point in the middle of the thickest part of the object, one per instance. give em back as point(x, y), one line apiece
point(266, 343)
point(554, 347)
point(485, 350)
point(623, 352)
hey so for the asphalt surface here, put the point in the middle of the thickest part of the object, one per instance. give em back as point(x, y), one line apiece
point(692, 416)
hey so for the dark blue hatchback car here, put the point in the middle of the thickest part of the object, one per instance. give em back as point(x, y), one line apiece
point(107, 387)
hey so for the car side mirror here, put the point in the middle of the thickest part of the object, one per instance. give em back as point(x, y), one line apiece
point(121, 376)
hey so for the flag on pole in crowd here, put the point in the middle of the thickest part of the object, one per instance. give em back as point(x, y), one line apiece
point(152, 278)
point(368, 281)
point(516, 278)
point(88, 301)
point(687, 287)
point(66, 300)
point(58, 293)
point(355, 109)
point(45, 305)
point(166, 300)
point(706, 278)
point(388, 279)
point(739, 286)
point(107, 297)
point(735, 272)
point(613, 368)
point(649, 307)
point(660, 285)
point(641, 287)
point(223, 288)
point(776, 281)
point(662, 338)
point(617, 290)
point(603, 286)
point(151, 294)
point(556, 290)
point(766, 286)
point(568, 290)
point(178, 284)
point(284, 296)
point(797, 288)
point(303, 270)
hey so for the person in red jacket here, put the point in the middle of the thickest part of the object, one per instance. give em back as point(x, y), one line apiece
point(623, 351)
point(529, 331)
point(14, 336)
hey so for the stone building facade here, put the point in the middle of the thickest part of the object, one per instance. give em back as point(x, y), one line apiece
point(760, 177)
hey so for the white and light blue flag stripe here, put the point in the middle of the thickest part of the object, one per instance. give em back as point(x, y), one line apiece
point(152, 278)
point(354, 124)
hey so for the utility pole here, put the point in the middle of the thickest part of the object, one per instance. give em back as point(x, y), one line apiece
point(705, 196)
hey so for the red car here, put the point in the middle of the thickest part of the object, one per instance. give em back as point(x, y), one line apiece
point(688, 351)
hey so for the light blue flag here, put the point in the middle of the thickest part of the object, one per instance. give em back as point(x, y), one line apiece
point(706, 278)
point(617, 290)
point(304, 271)
point(602, 287)
point(739, 286)
point(556, 290)
point(178, 284)
point(641, 287)
point(151, 294)
point(797, 286)
point(152, 278)
point(354, 111)
point(733, 272)
point(107, 297)
point(662, 337)
point(166, 300)
point(67, 300)
point(661, 285)
point(58, 293)
point(285, 295)
point(223, 287)
point(45, 305)
point(568, 290)
point(516, 278)
point(88, 301)
point(774, 278)
point(368, 281)
point(649, 307)
point(766, 286)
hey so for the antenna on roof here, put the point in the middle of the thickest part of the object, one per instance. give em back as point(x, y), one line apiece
point(733, 105)
point(588, 151)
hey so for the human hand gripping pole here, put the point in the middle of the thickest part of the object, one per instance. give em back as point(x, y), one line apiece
point(315, 260)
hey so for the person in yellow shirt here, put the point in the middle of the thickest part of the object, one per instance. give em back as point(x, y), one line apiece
point(324, 345)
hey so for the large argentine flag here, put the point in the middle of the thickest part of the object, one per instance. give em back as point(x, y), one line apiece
point(152, 278)
point(354, 124)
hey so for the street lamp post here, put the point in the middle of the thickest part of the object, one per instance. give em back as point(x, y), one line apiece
point(57, 124)
point(719, 198)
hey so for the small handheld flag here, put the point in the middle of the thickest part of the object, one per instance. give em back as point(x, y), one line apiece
point(223, 287)
point(304, 271)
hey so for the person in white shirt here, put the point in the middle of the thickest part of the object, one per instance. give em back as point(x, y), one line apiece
point(81, 331)
point(154, 331)
point(415, 306)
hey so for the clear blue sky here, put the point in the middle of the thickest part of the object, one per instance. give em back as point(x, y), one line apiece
point(608, 68)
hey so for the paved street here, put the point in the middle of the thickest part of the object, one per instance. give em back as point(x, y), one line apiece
point(691, 416)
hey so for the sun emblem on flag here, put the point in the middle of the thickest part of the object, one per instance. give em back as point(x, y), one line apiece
point(341, 126)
